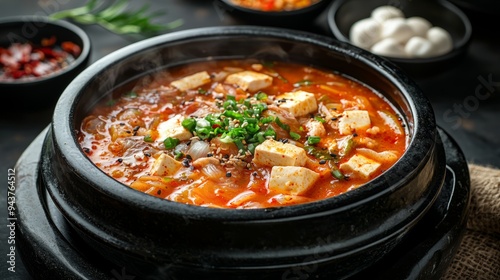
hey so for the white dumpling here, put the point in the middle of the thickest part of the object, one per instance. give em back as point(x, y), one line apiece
point(365, 33)
point(441, 40)
point(398, 29)
point(389, 47)
point(419, 47)
point(419, 25)
point(384, 13)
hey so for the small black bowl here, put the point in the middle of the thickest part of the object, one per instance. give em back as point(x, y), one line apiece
point(41, 92)
point(344, 13)
point(282, 18)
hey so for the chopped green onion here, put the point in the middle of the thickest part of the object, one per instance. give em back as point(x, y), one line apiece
point(259, 108)
point(178, 155)
point(240, 123)
point(270, 132)
point(230, 103)
point(189, 124)
point(251, 147)
point(319, 119)
point(313, 140)
point(349, 147)
point(168, 179)
point(317, 153)
point(148, 138)
point(295, 136)
point(337, 174)
point(252, 128)
point(261, 96)
point(233, 114)
point(282, 125)
point(170, 143)
point(203, 132)
point(202, 91)
point(267, 120)
point(239, 144)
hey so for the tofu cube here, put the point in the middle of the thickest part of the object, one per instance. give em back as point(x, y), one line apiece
point(352, 121)
point(275, 153)
point(315, 128)
point(165, 165)
point(292, 180)
point(360, 166)
point(298, 103)
point(249, 80)
point(192, 81)
point(173, 128)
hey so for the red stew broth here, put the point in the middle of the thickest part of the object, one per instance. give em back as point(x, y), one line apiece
point(120, 136)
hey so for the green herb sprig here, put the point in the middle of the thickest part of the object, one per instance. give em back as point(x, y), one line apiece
point(114, 16)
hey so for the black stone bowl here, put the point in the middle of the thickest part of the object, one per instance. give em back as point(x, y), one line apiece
point(293, 18)
point(151, 237)
point(44, 91)
point(344, 13)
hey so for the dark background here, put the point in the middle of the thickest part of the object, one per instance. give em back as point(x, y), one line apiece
point(472, 122)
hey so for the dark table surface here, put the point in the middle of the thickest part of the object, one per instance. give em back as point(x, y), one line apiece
point(465, 98)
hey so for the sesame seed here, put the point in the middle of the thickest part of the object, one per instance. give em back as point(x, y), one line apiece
point(228, 174)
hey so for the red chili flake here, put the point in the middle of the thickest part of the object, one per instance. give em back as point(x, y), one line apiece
point(71, 48)
point(18, 74)
point(48, 52)
point(47, 42)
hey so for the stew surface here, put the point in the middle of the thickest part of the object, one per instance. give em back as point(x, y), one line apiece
point(244, 134)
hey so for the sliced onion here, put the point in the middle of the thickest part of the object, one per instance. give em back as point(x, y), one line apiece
point(198, 149)
point(213, 172)
point(181, 148)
